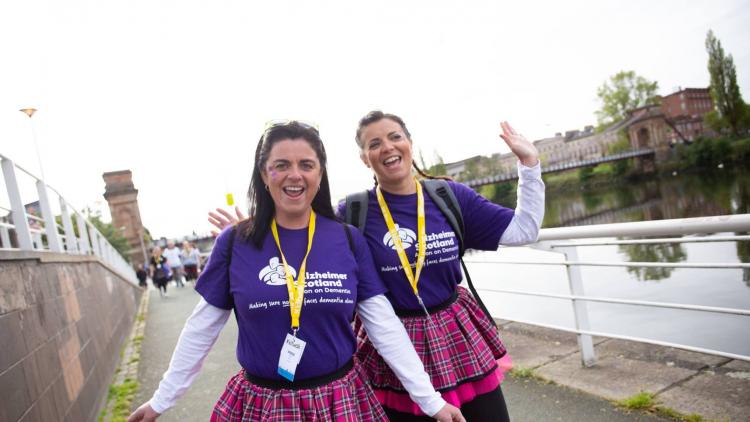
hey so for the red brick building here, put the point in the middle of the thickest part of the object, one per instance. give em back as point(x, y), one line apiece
point(685, 110)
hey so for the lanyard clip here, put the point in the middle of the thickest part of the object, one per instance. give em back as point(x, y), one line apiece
point(424, 308)
point(294, 331)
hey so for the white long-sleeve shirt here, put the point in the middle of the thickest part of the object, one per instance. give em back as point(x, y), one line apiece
point(529, 212)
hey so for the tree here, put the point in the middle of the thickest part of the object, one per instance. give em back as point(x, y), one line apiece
point(624, 91)
point(111, 233)
point(731, 110)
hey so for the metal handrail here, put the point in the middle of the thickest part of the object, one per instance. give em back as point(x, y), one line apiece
point(653, 241)
point(567, 240)
point(623, 264)
point(590, 333)
point(59, 238)
point(714, 309)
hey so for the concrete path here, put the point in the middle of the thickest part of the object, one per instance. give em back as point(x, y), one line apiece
point(528, 399)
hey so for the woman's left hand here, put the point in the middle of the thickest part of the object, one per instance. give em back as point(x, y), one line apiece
point(449, 413)
point(523, 149)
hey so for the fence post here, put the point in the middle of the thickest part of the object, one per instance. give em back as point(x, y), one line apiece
point(50, 225)
point(94, 234)
point(70, 234)
point(83, 231)
point(18, 212)
point(580, 311)
point(5, 238)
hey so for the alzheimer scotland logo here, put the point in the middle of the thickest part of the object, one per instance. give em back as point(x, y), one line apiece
point(408, 238)
point(274, 274)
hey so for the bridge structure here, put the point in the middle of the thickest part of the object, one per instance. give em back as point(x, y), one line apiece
point(643, 153)
point(69, 301)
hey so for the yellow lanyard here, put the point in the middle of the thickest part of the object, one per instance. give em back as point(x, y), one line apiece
point(296, 289)
point(421, 236)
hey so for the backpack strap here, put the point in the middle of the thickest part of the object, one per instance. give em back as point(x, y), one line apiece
point(442, 195)
point(356, 209)
point(349, 237)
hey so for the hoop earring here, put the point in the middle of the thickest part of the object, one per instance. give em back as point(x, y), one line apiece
point(266, 187)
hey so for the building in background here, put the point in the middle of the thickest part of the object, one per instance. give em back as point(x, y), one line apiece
point(122, 197)
point(676, 118)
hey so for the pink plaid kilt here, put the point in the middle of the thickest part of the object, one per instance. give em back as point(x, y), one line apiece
point(458, 346)
point(348, 398)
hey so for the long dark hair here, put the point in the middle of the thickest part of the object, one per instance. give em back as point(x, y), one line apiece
point(262, 208)
point(376, 116)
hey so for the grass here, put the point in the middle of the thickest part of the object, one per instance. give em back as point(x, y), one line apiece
point(640, 401)
point(522, 372)
point(646, 401)
point(122, 395)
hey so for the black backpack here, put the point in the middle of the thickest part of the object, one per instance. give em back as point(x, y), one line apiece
point(442, 195)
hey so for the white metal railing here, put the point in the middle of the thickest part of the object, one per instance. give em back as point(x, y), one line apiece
point(21, 230)
point(567, 240)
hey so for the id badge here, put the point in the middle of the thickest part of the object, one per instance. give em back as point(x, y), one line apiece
point(291, 354)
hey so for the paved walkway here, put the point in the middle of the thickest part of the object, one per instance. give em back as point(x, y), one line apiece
point(528, 399)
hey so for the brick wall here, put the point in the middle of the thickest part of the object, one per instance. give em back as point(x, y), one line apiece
point(63, 320)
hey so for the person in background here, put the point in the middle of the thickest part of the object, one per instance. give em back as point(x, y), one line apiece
point(159, 270)
point(298, 362)
point(174, 260)
point(191, 258)
point(142, 274)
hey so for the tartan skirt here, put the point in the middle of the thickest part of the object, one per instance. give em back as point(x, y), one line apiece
point(457, 345)
point(348, 398)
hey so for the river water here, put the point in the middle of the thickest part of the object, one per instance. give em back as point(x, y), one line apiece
point(707, 193)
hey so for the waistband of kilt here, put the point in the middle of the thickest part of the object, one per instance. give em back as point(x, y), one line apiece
point(301, 384)
point(430, 310)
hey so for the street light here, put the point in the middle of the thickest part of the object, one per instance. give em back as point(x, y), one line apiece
point(30, 112)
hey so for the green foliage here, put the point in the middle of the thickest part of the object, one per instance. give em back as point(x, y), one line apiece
point(585, 173)
point(487, 191)
point(741, 151)
point(438, 169)
point(732, 110)
point(624, 91)
point(111, 233)
point(123, 396)
point(642, 400)
point(621, 167)
point(704, 152)
point(604, 169)
point(522, 372)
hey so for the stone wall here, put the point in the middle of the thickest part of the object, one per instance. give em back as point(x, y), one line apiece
point(63, 319)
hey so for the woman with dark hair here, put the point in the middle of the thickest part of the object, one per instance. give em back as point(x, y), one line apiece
point(457, 342)
point(297, 361)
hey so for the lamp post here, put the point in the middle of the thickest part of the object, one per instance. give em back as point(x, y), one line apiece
point(30, 112)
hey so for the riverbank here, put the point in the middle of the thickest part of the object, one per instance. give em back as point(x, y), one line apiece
point(698, 157)
point(669, 382)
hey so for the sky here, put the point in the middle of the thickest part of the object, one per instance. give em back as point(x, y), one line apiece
point(179, 91)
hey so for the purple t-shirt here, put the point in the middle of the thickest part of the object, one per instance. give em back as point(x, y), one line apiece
point(336, 280)
point(484, 224)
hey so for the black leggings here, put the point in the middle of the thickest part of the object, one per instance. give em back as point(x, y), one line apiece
point(489, 407)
